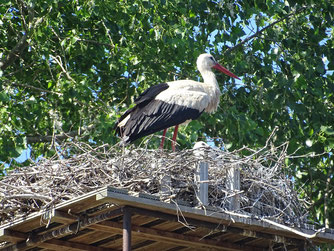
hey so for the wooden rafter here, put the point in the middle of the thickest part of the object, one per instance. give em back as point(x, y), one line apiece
point(97, 222)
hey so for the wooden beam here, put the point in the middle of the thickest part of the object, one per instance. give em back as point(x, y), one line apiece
point(35, 240)
point(165, 236)
point(12, 236)
point(227, 218)
point(60, 245)
point(216, 226)
point(59, 217)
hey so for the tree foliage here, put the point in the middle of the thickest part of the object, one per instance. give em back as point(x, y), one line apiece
point(69, 68)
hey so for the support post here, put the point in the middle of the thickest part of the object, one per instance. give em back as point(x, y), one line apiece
point(202, 177)
point(126, 229)
point(233, 185)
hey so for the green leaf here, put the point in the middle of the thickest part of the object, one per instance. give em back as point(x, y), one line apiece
point(327, 130)
point(4, 97)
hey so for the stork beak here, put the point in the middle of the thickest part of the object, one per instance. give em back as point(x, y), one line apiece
point(225, 71)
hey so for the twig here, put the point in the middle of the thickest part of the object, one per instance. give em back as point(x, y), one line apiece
point(59, 62)
point(111, 46)
point(60, 137)
point(28, 196)
point(262, 181)
point(259, 32)
point(36, 88)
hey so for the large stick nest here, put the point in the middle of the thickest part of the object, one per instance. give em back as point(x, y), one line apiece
point(265, 190)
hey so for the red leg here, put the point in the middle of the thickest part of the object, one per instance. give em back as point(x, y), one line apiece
point(174, 137)
point(163, 139)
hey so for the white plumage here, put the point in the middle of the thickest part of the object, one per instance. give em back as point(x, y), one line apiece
point(172, 103)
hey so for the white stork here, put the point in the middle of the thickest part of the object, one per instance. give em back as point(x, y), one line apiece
point(173, 103)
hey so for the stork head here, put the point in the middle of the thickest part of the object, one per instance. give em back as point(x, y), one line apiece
point(205, 62)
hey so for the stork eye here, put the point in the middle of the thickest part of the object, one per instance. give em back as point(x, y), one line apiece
point(212, 59)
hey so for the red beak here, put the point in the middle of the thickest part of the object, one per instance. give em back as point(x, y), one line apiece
point(225, 71)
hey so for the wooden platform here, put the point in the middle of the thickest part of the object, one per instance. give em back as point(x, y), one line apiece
point(112, 219)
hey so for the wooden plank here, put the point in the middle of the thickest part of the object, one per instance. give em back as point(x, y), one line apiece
point(159, 246)
point(142, 244)
point(59, 216)
point(235, 219)
point(138, 241)
point(108, 227)
point(60, 245)
point(215, 226)
point(82, 202)
point(165, 236)
point(12, 236)
point(90, 237)
point(110, 241)
point(32, 221)
point(200, 232)
point(25, 224)
point(35, 240)
point(141, 220)
point(169, 226)
point(206, 215)
point(118, 244)
point(259, 243)
point(245, 222)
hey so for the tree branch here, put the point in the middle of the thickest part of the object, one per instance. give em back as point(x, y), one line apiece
point(259, 32)
point(36, 88)
point(56, 137)
point(96, 42)
point(327, 199)
point(22, 43)
point(59, 62)
point(14, 53)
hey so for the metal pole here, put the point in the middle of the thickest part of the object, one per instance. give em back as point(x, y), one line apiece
point(204, 187)
point(126, 229)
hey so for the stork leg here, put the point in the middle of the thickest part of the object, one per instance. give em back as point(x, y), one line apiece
point(163, 139)
point(174, 137)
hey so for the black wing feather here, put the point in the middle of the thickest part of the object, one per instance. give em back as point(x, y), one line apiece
point(150, 93)
point(154, 117)
point(143, 99)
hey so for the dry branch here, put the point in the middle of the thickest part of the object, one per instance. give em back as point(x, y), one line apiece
point(265, 191)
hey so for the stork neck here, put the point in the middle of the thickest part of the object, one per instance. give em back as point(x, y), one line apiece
point(212, 90)
point(209, 78)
